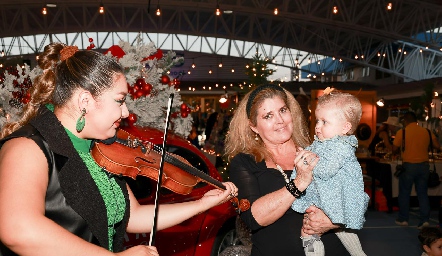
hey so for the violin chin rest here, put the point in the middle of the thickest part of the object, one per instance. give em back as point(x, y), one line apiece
point(110, 140)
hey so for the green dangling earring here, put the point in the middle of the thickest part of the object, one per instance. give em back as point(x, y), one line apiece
point(81, 121)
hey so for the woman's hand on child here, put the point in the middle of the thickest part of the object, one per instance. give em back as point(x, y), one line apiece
point(316, 222)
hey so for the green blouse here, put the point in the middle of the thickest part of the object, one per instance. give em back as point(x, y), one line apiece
point(109, 189)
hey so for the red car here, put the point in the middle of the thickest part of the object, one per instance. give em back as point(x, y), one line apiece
point(205, 234)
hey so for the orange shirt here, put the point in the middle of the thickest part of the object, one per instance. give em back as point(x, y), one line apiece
point(417, 141)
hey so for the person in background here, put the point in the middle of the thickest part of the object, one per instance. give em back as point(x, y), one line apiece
point(193, 136)
point(337, 187)
point(264, 144)
point(382, 171)
point(211, 122)
point(430, 239)
point(54, 198)
point(383, 134)
point(417, 169)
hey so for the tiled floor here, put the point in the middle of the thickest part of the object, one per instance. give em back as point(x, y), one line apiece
point(381, 236)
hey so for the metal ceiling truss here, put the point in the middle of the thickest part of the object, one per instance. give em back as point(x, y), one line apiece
point(360, 28)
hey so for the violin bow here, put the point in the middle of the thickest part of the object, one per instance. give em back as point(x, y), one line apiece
point(160, 174)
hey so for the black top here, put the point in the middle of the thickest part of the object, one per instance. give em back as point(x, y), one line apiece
point(281, 238)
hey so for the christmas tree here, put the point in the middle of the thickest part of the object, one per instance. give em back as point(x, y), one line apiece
point(149, 86)
point(258, 70)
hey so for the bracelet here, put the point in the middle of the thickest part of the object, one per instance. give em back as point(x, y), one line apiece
point(290, 186)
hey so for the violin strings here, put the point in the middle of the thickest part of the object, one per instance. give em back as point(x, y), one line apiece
point(189, 168)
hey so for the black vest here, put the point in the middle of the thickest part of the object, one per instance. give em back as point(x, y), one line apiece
point(82, 212)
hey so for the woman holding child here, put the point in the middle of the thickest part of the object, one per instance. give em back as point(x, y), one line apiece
point(265, 143)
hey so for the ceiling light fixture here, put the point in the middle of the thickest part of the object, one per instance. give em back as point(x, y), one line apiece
point(335, 10)
point(224, 97)
point(380, 102)
point(44, 11)
point(389, 6)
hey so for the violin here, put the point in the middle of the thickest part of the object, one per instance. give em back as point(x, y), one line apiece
point(131, 157)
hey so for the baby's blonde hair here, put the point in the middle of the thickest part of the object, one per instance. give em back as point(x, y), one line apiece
point(346, 104)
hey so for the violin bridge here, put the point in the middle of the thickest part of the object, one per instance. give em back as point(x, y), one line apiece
point(133, 143)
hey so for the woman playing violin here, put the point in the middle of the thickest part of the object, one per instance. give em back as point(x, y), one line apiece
point(54, 198)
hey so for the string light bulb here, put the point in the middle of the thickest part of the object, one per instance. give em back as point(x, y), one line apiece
point(158, 12)
point(276, 11)
point(389, 6)
point(217, 11)
point(101, 9)
point(335, 10)
point(44, 11)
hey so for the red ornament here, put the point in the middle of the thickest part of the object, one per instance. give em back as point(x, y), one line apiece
point(25, 100)
point(183, 107)
point(165, 79)
point(146, 88)
point(140, 82)
point(184, 114)
point(139, 94)
point(132, 119)
point(91, 44)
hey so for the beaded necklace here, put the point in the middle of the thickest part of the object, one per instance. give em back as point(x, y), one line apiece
point(279, 168)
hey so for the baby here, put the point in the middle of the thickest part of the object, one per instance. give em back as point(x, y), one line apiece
point(337, 187)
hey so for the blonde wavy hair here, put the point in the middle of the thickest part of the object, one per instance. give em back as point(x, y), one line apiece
point(241, 139)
